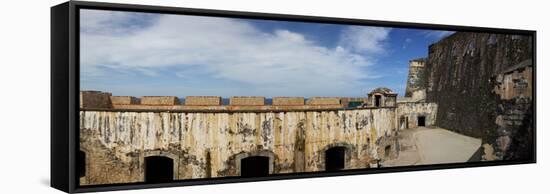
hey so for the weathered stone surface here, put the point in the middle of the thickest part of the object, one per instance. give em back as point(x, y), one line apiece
point(513, 139)
point(482, 84)
point(95, 99)
point(515, 81)
point(288, 101)
point(459, 70)
point(203, 100)
point(297, 140)
point(408, 114)
point(247, 100)
point(416, 83)
point(159, 100)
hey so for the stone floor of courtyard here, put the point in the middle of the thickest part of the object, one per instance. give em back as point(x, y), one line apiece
point(422, 145)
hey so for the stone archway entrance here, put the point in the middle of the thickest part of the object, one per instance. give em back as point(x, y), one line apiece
point(421, 121)
point(335, 158)
point(377, 100)
point(255, 166)
point(159, 169)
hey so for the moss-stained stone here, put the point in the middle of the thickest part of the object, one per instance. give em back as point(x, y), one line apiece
point(206, 143)
point(482, 85)
point(459, 70)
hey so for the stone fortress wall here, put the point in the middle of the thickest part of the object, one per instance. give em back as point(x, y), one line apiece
point(483, 85)
point(205, 139)
point(476, 84)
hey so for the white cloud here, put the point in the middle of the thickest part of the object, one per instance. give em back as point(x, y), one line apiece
point(362, 39)
point(274, 63)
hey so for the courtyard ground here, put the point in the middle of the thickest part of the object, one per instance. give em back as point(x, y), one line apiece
point(423, 145)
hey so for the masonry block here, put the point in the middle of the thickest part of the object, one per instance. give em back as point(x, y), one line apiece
point(159, 100)
point(247, 100)
point(203, 100)
point(95, 99)
point(288, 101)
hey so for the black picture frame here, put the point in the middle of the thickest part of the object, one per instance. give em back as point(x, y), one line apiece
point(65, 88)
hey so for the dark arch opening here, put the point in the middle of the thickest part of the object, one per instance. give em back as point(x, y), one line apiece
point(335, 158)
point(81, 164)
point(255, 166)
point(159, 169)
point(421, 121)
point(377, 99)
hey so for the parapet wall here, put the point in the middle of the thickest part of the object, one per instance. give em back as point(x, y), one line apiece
point(99, 100)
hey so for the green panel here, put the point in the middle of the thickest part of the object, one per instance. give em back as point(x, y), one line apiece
point(354, 104)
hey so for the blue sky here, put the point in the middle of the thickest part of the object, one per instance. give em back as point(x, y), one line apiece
point(141, 54)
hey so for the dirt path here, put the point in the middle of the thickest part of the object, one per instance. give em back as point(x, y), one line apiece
point(433, 146)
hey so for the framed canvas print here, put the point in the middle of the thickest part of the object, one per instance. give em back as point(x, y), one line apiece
point(149, 96)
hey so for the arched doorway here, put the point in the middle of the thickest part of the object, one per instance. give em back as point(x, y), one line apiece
point(421, 121)
point(335, 158)
point(255, 166)
point(159, 169)
point(377, 100)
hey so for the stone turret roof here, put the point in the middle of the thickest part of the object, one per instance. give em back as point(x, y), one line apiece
point(382, 90)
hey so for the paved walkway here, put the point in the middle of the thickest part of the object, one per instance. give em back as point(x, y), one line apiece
point(433, 146)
